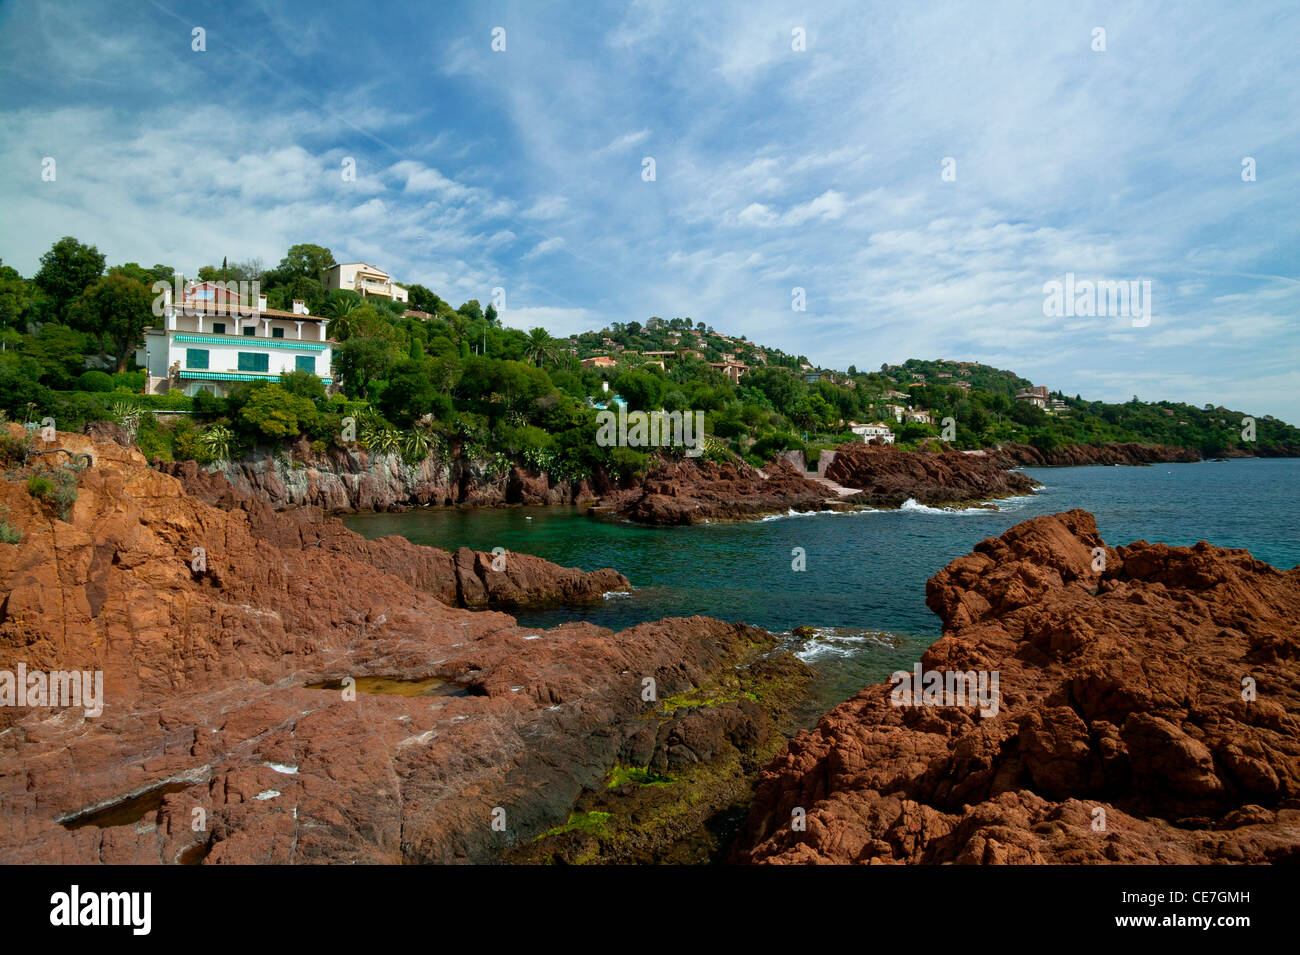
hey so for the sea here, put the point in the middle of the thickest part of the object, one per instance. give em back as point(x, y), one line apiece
point(857, 579)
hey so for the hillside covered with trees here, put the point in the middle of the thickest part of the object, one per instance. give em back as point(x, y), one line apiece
point(424, 378)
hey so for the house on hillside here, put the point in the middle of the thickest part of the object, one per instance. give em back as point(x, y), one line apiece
point(1036, 396)
point(366, 280)
point(917, 416)
point(897, 411)
point(732, 369)
point(600, 361)
point(207, 345)
point(873, 432)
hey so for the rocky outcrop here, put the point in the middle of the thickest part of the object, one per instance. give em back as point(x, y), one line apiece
point(887, 476)
point(277, 690)
point(345, 481)
point(1076, 455)
point(691, 491)
point(466, 578)
point(1149, 712)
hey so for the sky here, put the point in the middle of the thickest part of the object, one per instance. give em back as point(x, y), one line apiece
point(919, 170)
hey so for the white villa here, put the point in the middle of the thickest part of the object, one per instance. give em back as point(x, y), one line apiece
point(870, 432)
point(206, 345)
point(363, 278)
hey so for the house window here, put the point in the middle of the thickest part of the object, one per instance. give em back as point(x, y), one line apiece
point(277, 333)
point(250, 329)
point(252, 361)
point(306, 363)
point(196, 358)
point(218, 328)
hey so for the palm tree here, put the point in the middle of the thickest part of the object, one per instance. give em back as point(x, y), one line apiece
point(541, 348)
point(338, 309)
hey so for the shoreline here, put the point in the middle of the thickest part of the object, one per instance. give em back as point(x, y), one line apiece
point(659, 742)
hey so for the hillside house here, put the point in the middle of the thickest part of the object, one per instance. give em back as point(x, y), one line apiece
point(366, 280)
point(873, 432)
point(1036, 396)
point(209, 342)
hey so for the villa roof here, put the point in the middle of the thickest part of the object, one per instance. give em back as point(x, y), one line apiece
point(227, 310)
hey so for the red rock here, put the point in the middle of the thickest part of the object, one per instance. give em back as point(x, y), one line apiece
point(1120, 691)
point(206, 675)
point(691, 491)
point(887, 476)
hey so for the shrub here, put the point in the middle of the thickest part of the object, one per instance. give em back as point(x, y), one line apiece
point(272, 412)
point(152, 439)
point(40, 487)
point(187, 445)
point(133, 381)
point(206, 403)
point(627, 463)
point(96, 381)
point(14, 449)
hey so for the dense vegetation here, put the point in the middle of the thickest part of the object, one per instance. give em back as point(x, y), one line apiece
point(454, 380)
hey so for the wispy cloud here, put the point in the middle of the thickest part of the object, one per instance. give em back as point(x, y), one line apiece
point(776, 167)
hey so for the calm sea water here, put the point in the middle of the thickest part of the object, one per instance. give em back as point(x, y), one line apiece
point(864, 586)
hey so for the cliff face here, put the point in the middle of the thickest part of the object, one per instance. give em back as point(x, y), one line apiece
point(344, 481)
point(888, 476)
point(1129, 453)
point(1149, 712)
point(227, 634)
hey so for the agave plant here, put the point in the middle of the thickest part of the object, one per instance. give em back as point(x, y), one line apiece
point(218, 441)
point(417, 445)
point(126, 414)
point(378, 437)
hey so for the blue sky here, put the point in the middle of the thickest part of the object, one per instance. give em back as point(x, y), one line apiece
point(775, 168)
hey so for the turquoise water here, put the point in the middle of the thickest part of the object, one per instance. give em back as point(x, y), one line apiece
point(864, 586)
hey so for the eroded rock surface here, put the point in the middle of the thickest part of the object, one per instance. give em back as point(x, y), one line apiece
point(228, 732)
point(887, 476)
point(1122, 734)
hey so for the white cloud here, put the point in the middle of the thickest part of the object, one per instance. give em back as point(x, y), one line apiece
point(552, 244)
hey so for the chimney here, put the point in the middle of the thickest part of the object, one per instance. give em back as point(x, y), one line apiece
point(300, 307)
point(261, 303)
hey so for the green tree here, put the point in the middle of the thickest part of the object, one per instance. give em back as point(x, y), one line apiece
point(541, 348)
point(67, 270)
point(14, 297)
point(275, 413)
point(305, 261)
point(115, 309)
point(421, 299)
point(363, 361)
